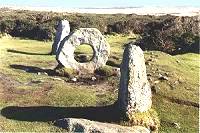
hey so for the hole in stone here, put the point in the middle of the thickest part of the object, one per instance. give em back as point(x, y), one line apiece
point(83, 53)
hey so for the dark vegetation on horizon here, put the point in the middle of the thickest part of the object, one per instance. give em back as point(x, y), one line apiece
point(170, 34)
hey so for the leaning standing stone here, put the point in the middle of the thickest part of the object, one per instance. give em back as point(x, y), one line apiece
point(134, 93)
point(63, 30)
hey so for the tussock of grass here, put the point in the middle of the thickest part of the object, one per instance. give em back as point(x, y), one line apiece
point(105, 71)
point(65, 72)
point(148, 119)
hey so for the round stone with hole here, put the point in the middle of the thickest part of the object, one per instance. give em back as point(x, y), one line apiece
point(90, 36)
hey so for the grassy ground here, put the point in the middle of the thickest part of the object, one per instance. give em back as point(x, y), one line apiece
point(32, 97)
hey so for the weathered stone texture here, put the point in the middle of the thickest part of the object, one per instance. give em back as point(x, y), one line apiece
point(134, 92)
point(63, 30)
point(87, 126)
point(90, 36)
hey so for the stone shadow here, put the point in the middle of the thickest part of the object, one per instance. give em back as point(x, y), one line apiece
point(33, 69)
point(26, 53)
point(49, 113)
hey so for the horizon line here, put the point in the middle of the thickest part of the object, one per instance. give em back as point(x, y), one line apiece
point(114, 7)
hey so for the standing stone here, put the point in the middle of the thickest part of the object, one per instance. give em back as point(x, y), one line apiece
point(134, 93)
point(63, 30)
point(90, 36)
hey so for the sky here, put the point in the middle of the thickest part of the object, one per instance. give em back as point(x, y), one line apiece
point(99, 3)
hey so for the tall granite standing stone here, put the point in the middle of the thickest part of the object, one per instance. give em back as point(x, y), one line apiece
point(63, 30)
point(134, 93)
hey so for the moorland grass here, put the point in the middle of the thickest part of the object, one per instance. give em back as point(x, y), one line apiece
point(21, 60)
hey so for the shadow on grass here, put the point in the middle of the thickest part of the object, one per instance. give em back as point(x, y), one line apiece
point(26, 53)
point(33, 69)
point(48, 113)
point(112, 63)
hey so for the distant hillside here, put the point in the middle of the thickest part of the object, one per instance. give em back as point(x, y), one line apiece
point(171, 34)
point(153, 10)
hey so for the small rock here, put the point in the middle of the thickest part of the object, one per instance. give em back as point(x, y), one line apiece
point(57, 79)
point(74, 79)
point(187, 88)
point(180, 80)
point(39, 73)
point(156, 82)
point(45, 73)
point(163, 78)
point(176, 125)
point(176, 82)
point(177, 61)
point(94, 78)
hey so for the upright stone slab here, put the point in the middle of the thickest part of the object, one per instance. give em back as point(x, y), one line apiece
point(63, 30)
point(90, 36)
point(134, 93)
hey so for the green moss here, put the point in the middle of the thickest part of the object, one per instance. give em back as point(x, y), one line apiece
point(148, 119)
